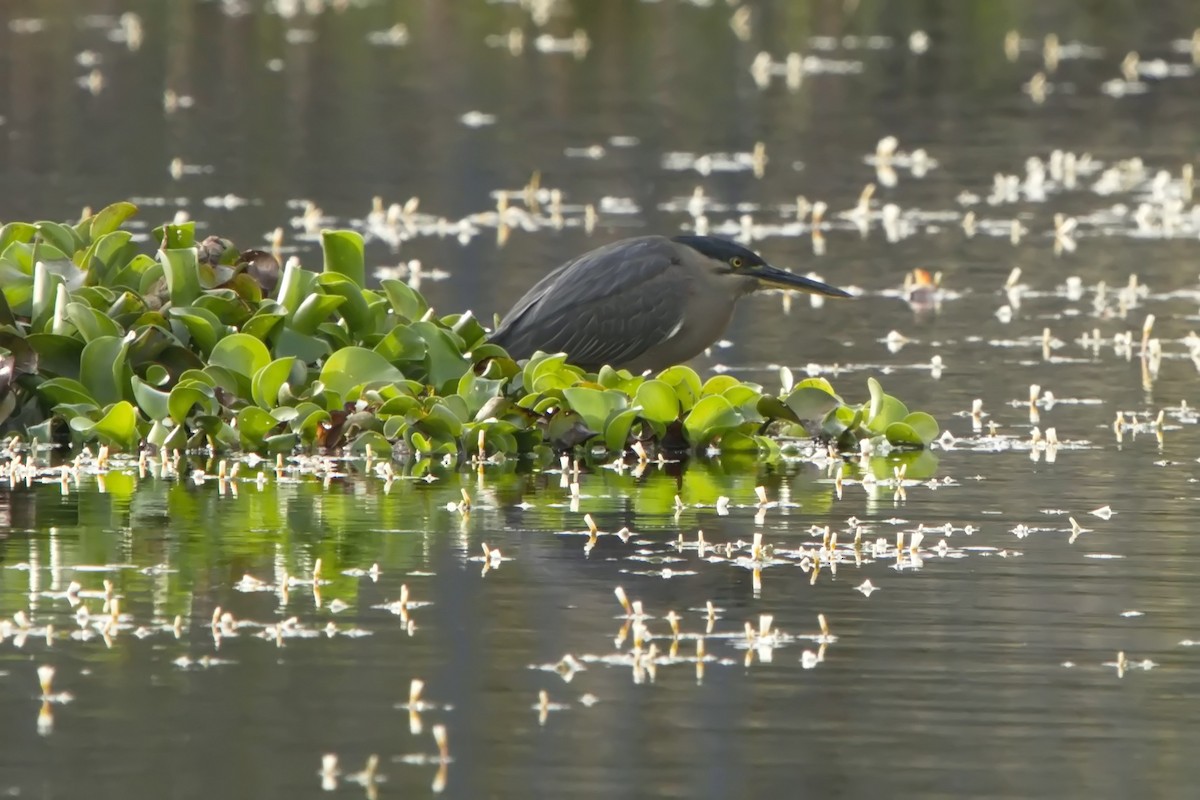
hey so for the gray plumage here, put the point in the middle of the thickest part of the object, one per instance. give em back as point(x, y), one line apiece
point(642, 303)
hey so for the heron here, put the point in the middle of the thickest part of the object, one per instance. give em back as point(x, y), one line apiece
point(644, 303)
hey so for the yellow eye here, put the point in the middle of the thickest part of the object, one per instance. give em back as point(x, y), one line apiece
point(736, 262)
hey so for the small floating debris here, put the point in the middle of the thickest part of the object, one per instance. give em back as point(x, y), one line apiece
point(395, 36)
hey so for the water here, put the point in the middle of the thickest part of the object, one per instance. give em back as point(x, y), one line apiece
point(992, 670)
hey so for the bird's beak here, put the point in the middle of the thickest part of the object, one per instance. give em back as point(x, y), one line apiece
point(775, 278)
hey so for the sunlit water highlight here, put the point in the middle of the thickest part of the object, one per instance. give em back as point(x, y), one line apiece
point(1039, 640)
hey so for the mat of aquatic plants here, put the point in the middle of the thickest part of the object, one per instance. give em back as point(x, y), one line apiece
point(1010, 192)
point(210, 347)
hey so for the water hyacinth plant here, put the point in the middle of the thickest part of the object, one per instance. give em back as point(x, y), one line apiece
point(203, 345)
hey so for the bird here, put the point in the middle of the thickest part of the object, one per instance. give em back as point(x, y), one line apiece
point(644, 303)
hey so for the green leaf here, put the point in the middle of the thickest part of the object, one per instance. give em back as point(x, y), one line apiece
point(263, 324)
point(269, 380)
point(738, 442)
point(157, 375)
point(162, 434)
point(202, 326)
point(106, 255)
point(90, 323)
point(810, 402)
point(538, 363)
point(395, 427)
point(118, 426)
point(335, 334)
point(616, 431)
point(58, 356)
point(608, 377)
point(186, 395)
point(902, 435)
point(216, 430)
point(284, 443)
point(477, 391)
point(154, 403)
point(710, 417)
point(307, 424)
point(420, 443)
point(466, 328)
point(718, 384)
point(215, 277)
point(743, 396)
point(45, 296)
point(154, 343)
point(19, 256)
point(402, 343)
point(6, 313)
point(103, 369)
point(11, 232)
point(884, 409)
point(242, 355)
point(23, 358)
point(313, 310)
point(876, 402)
point(817, 383)
point(399, 406)
point(923, 427)
point(352, 367)
point(227, 379)
point(182, 272)
point(408, 304)
point(344, 255)
point(58, 391)
point(596, 406)
point(8, 404)
point(309, 349)
point(100, 298)
point(109, 219)
point(355, 310)
point(444, 360)
point(226, 304)
point(685, 382)
point(132, 274)
point(60, 322)
point(151, 282)
point(441, 422)
point(377, 442)
point(17, 292)
point(62, 237)
point(69, 411)
point(843, 419)
point(555, 380)
point(658, 401)
point(253, 425)
point(178, 235)
point(200, 376)
point(295, 285)
point(246, 288)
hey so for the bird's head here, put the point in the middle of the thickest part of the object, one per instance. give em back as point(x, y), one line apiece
point(731, 263)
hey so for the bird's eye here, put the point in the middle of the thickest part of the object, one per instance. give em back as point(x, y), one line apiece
point(736, 262)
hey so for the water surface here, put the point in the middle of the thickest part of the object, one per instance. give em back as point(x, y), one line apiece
point(992, 669)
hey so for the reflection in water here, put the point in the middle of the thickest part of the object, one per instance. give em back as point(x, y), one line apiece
point(1041, 165)
point(286, 621)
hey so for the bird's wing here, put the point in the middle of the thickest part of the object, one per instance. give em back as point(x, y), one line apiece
point(606, 307)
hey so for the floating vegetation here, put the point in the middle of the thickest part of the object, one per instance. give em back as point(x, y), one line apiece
point(208, 346)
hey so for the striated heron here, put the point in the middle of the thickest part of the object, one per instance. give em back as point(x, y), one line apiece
point(642, 303)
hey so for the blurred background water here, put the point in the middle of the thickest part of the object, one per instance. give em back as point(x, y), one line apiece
point(990, 671)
